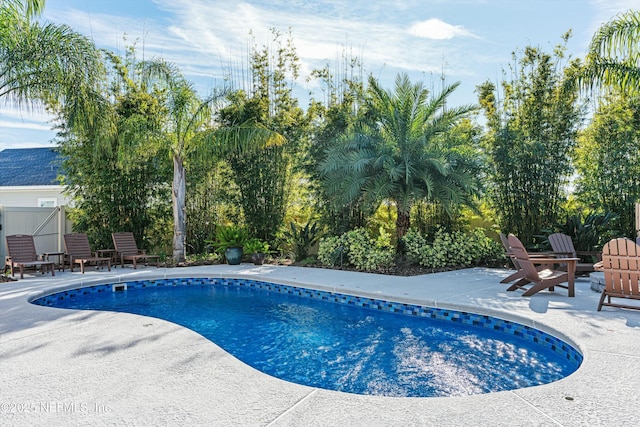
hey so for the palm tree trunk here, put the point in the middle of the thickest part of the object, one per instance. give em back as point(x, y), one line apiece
point(402, 226)
point(178, 193)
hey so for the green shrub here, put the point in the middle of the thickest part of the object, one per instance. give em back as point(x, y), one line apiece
point(256, 246)
point(356, 248)
point(455, 249)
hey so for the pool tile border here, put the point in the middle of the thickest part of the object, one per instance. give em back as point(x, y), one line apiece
point(522, 331)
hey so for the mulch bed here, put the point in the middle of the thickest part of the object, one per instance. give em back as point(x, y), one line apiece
point(395, 270)
point(400, 269)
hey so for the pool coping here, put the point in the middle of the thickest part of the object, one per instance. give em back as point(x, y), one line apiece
point(50, 353)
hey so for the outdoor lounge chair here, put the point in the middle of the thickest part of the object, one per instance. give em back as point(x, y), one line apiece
point(539, 279)
point(562, 247)
point(621, 264)
point(79, 252)
point(127, 249)
point(22, 253)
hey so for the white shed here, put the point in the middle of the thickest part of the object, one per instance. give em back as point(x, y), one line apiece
point(31, 199)
point(28, 178)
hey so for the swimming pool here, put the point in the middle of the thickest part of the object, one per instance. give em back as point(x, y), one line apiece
point(342, 342)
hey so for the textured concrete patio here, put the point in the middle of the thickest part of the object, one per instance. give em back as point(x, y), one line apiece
point(68, 367)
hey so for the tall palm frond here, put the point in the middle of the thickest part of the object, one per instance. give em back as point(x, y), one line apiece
point(245, 137)
point(46, 62)
point(613, 57)
point(12, 12)
point(51, 65)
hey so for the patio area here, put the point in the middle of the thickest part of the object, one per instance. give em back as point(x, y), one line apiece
point(73, 367)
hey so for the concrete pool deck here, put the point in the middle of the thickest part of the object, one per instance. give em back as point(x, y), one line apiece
point(69, 367)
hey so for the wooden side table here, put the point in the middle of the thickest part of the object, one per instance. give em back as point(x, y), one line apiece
point(61, 257)
point(110, 253)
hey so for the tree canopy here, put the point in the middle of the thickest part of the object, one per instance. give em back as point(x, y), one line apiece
point(394, 152)
point(532, 129)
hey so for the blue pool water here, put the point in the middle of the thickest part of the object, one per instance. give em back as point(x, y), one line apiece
point(354, 345)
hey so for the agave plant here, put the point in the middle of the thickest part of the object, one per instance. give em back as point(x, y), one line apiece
point(588, 233)
point(302, 239)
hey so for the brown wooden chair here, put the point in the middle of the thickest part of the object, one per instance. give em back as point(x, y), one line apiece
point(21, 251)
point(79, 252)
point(562, 247)
point(127, 249)
point(519, 273)
point(621, 264)
point(545, 278)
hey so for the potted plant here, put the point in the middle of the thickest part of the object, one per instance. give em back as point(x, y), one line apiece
point(230, 240)
point(258, 250)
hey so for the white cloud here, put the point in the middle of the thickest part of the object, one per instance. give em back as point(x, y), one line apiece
point(26, 144)
point(436, 29)
point(607, 9)
point(220, 31)
point(24, 125)
point(33, 112)
point(208, 38)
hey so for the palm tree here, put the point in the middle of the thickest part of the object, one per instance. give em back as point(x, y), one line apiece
point(613, 58)
point(47, 63)
point(396, 154)
point(188, 133)
point(21, 8)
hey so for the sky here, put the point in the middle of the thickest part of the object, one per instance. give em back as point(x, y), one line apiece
point(467, 41)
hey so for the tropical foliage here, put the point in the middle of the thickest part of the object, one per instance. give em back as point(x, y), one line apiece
point(256, 246)
point(384, 174)
point(114, 185)
point(394, 153)
point(613, 59)
point(453, 249)
point(265, 177)
point(212, 198)
point(588, 232)
point(230, 236)
point(608, 160)
point(532, 130)
point(357, 249)
point(45, 64)
point(343, 96)
point(186, 133)
point(301, 239)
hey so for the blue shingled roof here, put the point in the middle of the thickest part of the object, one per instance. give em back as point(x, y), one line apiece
point(29, 166)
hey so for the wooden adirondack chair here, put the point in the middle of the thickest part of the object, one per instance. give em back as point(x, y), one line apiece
point(127, 249)
point(545, 278)
point(621, 264)
point(22, 253)
point(519, 273)
point(562, 247)
point(79, 252)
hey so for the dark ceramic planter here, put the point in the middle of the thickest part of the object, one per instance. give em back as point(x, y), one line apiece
point(233, 255)
point(258, 258)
